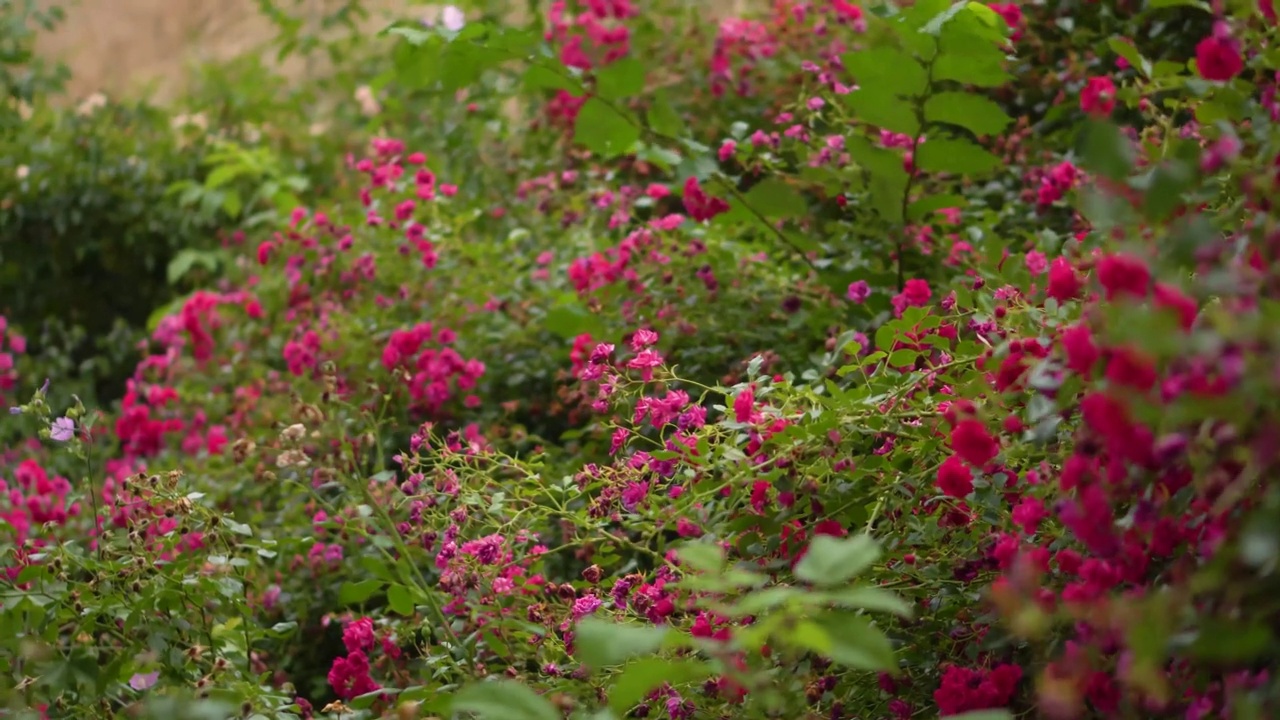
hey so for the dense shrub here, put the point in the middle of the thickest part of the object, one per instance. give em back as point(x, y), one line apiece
point(87, 229)
point(880, 361)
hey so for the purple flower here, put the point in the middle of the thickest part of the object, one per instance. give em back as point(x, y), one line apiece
point(15, 411)
point(63, 429)
point(858, 292)
point(144, 682)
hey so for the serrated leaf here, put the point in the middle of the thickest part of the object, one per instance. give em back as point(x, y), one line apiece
point(884, 109)
point(887, 68)
point(932, 203)
point(600, 643)
point(603, 130)
point(976, 113)
point(956, 156)
point(702, 556)
point(641, 677)
point(354, 593)
point(775, 198)
point(831, 561)
point(1105, 150)
point(869, 598)
point(858, 644)
point(623, 78)
point(221, 175)
point(538, 77)
point(400, 599)
point(887, 179)
point(663, 118)
point(970, 59)
point(503, 700)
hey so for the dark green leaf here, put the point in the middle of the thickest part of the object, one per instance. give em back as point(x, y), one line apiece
point(956, 156)
point(1105, 150)
point(775, 198)
point(976, 113)
point(354, 593)
point(603, 130)
point(621, 79)
point(884, 109)
point(887, 69)
point(970, 59)
point(932, 203)
point(663, 118)
point(1164, 192)
point(538, 77)
point(1231, 641)
point(400, 599)
point(982, 715)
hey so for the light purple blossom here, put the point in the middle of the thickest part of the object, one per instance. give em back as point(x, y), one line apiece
point(63, 429)
point(452, 18)
point(143, 682)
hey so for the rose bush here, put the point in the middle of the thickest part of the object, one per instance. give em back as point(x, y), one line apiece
point(882, 361)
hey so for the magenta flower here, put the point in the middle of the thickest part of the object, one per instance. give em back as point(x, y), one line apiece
point(63, 429)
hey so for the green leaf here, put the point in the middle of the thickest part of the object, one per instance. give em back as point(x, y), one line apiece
point(539, 77)
point(883, 108)
point(970, 59)
point(810, 636)
point(1165, 187)
point(603, 130)
point(903, 358)
point(982, 715)
point(887, 179)
point(953, 155)
point(932, 203)
point(503, 700)
point(976, 113)
point(764, 600)
point(663, 118)
point(621, 79)
point(1105, 150)
point(354, 593)
point(1197, 4)
point(702, 556)
point(400, 599)
point(831, 561)
point(775, 198)
point(641, 677)
point(221, 175)
point(867, 598)
point(1223, 641)
point(887, 68)
point(858, 644)
point(938, 22)
point(599, 643)
point(1125, 49)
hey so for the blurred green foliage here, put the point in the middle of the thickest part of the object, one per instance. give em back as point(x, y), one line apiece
point(86, 228)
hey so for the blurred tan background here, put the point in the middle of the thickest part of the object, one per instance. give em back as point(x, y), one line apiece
point(126, 46)
point(130, 46)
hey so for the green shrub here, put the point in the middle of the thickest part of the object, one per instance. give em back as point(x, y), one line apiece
point(86, 228)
